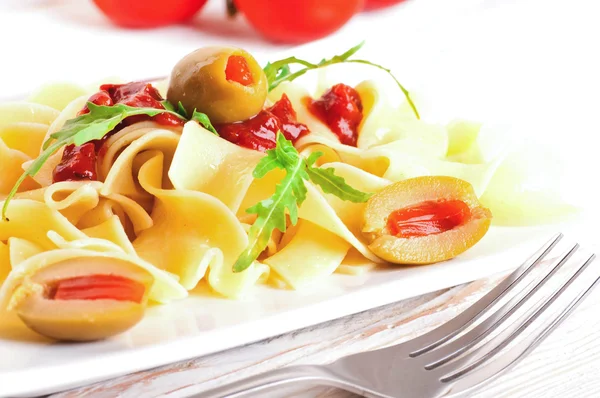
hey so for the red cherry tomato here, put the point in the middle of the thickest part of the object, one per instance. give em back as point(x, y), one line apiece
point(298, 21)
point(148, 13)
point(376, 4)
point(99, 287)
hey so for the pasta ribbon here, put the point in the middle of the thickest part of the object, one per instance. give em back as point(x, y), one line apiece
point(194, 233)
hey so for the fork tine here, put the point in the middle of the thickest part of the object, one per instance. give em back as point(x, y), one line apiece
point(529, 343)
point(452, 350)
point(440, 335)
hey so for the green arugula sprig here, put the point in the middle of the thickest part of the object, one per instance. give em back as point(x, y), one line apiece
point(289, 194)
point(199, 117)
point(279, 71)
point(93, 126)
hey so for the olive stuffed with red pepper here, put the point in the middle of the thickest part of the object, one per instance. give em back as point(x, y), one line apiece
point(227, 84)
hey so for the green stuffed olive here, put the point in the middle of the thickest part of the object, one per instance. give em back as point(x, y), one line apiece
point(225, 83)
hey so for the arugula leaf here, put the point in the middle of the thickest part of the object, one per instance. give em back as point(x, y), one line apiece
point(289, 194)
point(98, 122)
point(88, 127)
point(336, 185)
point(332, 184)
point(181, 110)
point(203, 119)
point(167, 105)
point(277, 74)
point(279, 71)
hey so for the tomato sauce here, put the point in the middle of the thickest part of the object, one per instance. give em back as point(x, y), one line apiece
point(340, 108)
point(260, 131)
point(428, 218)
point(99, 287)
point(237, 70)
point(79, 163)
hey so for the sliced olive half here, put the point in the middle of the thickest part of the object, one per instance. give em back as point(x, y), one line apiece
point(83, 299)
point(424, 220)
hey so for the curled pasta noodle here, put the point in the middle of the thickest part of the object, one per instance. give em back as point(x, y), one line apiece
point(11, 162)
point(187, 248)
point(44, 175)
point(306, 259)
point(20, 250)
point(5, 264)
point(206, 163)
point(224, 167)
point(58, 95)
point(112, 230)
point(120, 164)
point(25, 137)
point(19, 112)
point(46, 219)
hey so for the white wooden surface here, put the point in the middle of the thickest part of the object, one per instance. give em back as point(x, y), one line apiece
point(567, 364)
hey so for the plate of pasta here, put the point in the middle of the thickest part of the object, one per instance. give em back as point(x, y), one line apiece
point(148, 222)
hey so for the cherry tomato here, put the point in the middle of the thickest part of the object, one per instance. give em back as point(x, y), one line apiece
point(376, 4)
point(149, 13)
point(99, 287)
point(298, 21)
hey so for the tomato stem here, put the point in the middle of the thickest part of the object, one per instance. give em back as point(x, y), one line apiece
point(232, 10)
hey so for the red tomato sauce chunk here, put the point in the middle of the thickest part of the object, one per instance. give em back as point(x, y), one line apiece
point(99, 287)
point(340, 108)
point(428, 218)
point(260, 132)
point(79, 162)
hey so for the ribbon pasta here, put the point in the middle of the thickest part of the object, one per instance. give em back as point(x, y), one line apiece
point(173, 201)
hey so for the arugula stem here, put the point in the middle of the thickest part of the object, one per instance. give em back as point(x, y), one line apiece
point(291, 61)
point(261, 230)
point(276, 74)
point(30, 172)
point(404, 90)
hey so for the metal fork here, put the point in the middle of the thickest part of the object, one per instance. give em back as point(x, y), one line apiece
point(442, 361)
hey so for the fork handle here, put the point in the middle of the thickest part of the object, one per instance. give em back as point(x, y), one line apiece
point(276, 378)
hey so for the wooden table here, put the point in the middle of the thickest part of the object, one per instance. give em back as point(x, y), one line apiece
point(567, 364)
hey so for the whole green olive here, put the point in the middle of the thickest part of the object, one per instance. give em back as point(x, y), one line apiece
point(225, 83)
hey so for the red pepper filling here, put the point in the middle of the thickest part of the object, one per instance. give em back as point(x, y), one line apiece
point(340, 108)
point(260, 131)
point(428, 218)
point(79, 163)
point(99, 287)
point(237, 70)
